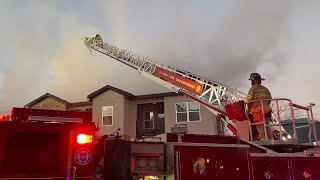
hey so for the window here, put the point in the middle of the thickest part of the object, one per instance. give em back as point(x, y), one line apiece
point(107, 115)
point(188, 111)
point(148, 120)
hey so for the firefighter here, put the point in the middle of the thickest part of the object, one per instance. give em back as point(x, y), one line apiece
point(98, 39)
point(259, 92)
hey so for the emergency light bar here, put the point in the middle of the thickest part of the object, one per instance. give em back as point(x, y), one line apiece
point(54, 119)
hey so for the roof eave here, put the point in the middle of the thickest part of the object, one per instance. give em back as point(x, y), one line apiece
point(39, 99)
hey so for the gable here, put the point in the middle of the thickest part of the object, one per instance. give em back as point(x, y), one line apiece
point(43, 97)
point(106, 89)
point(108, 95)
point(50, 104)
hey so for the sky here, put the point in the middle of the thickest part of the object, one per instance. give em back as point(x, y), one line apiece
point(224, 41)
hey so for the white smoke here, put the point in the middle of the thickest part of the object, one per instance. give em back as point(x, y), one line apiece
point(221, 41)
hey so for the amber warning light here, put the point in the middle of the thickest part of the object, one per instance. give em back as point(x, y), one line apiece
point(84, 139)
point(4, 117)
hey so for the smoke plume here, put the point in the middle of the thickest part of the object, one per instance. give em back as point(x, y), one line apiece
point(221, 41)
point(250, 36)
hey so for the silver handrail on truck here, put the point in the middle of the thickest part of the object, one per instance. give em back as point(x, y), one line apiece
point(276, 121)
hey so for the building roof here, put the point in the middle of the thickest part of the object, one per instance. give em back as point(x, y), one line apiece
point(41, 98)
point(77, 104)
point(97, 93)
point(153, 96)
point(106, 88)
point(129, 95)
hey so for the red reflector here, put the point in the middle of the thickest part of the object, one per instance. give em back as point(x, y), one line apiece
point(84, 139)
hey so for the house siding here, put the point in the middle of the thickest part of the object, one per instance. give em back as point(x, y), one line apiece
point(207, 125)
point(109, 98)
point(50, 104)
point(131, 115)
point(125, 113)
point(130, 118)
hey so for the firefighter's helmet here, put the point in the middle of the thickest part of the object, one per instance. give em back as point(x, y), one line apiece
point(255, 76)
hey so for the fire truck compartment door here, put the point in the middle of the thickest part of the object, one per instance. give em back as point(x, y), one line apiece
point(211, 161)
point(33, 150)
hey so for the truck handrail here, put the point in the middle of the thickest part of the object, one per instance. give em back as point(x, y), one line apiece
point(278, 118)
point(299, 106)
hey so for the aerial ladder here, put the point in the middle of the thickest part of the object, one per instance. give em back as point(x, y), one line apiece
point(213, 95)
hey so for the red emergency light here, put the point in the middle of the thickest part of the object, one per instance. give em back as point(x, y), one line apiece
point(4, 117)
point(84, 139)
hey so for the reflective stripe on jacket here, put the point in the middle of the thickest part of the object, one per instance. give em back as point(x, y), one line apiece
point(259, 92)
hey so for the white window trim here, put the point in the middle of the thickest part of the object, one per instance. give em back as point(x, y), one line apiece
point(144, 127)
point(103, 116)
point(188, 119)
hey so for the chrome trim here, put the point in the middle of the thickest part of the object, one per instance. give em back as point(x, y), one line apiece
point(209, 144)
point(69, 162)
point(300, 155)
point(177, 165)
point(74, 169)
point(80, 177)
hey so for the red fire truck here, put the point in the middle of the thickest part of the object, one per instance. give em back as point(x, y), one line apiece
point(47, 144)
point(183, 156)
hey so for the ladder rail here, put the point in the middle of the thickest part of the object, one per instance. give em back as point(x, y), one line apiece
point(215, 91)
point(228, 125)
point(214, 95)
point(141, 63)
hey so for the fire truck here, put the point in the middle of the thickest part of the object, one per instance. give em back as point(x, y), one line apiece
point(47, 144)
point(51, 144)
point(178, 155)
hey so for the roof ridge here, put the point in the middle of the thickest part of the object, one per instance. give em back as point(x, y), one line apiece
point(45, 96)
point(106, 88)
